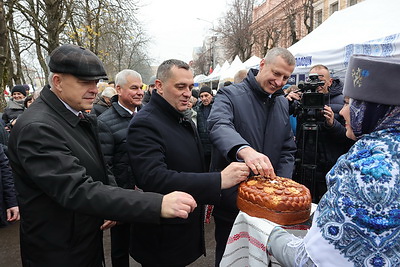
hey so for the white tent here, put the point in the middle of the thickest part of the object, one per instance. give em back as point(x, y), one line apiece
point(370, 27)
point(199, 78)
point(252, 62)
point(235, 66)
point(214, 76)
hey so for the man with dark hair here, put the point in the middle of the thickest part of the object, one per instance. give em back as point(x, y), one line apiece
point(249, 122)
point(113, 125)
point(64, 189)
point(166, 155)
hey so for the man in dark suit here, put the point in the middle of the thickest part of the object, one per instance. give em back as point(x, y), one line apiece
point(64, 189)
point(166, 154)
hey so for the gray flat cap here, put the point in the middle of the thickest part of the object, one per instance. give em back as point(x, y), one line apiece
point(78, 61)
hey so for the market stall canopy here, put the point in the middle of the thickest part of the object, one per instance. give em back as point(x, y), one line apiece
point(235, 66)
point(370, 28)
point(214, 76)
point(252, 62)
point(199, 78)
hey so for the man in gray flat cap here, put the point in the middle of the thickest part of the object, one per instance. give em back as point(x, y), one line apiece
point(64, 189)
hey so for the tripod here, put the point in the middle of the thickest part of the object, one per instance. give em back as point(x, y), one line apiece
point(308, 160)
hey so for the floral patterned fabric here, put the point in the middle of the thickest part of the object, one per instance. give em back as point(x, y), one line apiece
point(359, 216)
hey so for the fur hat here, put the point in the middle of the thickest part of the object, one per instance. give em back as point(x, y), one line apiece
point(78, 61)
point(18, 88)
point(373, 79)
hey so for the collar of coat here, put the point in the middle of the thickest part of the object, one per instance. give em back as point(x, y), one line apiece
point(55, 103)
point(166, 107)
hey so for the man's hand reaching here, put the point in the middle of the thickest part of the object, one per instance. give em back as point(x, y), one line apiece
point(177, 204)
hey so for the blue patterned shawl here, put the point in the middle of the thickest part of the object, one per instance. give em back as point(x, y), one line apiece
point(357, 222)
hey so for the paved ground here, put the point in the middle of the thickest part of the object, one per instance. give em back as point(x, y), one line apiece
point(10, 256)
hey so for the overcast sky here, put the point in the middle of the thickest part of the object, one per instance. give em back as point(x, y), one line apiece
point(174, 27)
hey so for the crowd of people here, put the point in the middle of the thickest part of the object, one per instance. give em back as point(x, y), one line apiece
point(152, 166)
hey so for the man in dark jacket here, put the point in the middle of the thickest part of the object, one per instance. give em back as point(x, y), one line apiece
point(64, 189)
point(323, 144)
point(113, 126)
point(166, 155)
point(203, 110)
point(249, 122)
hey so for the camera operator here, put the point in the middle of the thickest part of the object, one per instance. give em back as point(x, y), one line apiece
point(320, 134)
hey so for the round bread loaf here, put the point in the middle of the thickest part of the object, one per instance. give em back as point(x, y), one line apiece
point(279, 200)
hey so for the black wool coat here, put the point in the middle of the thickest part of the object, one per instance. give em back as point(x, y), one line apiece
point(166, 155)
point(63, 187)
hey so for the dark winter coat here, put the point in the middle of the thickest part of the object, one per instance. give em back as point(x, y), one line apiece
point(61, 180)
point(99, 106)
point(166, 155)
point(8, 198)
point(244, 114)
point(202, 127)
point(113, 127)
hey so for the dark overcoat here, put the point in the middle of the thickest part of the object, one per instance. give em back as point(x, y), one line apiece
point(8, 197)
point(61, 180)
point(244, 114)
point(166, 155)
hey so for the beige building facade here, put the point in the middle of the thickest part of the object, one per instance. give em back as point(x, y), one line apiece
point(284, 22)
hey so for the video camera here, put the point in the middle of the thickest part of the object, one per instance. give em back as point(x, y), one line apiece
point(312, 103)
point(311, 99)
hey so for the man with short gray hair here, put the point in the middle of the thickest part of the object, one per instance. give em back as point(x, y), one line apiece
point(64, 189)
point(249, 122)
point(113, 127)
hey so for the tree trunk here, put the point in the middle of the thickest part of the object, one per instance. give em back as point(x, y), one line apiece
point(3, 55)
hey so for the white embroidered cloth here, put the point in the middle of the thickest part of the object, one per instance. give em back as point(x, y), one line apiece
point(247, 242)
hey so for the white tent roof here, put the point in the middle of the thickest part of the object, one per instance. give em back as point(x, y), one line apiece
point(370, 27)
point(199, 78)
point(214, 76)
point(235, 66)
point(252, 62)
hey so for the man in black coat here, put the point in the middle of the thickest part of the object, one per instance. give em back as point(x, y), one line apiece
point(203, 110)
point(322, 141)
point(166, 155)
point(64, 189)
point(113, 126)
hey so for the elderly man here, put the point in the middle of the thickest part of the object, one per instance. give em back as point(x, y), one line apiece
point(166, 155)
point(64, 189)
point(113, 126)
point(249, 122)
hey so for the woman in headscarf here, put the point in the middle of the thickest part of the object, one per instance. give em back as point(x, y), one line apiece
point(357, 222)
